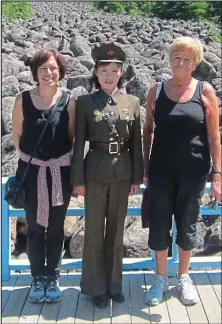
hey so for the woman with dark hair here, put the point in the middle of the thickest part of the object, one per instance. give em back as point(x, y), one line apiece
point(112, 169)
point(47, 186)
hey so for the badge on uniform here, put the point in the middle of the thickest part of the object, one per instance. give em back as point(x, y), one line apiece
point(126, 111)
point(96, 112)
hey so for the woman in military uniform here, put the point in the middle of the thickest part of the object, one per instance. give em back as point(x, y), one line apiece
point(112, 169)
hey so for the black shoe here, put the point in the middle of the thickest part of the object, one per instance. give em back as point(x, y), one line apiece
point(118, 298)
point(101, 301)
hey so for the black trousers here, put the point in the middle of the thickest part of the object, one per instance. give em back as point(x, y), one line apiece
point(106, 209)
point(178, 195)
point(44, 246)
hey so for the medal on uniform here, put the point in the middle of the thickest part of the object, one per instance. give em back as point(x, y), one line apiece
point(126, 111)
point(96, 112)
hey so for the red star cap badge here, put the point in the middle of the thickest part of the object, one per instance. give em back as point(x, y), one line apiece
point(110, 53)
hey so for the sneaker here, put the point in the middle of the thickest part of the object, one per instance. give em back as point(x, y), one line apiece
point(37, 291)
point(53, 293)
point(187, 292)
point(154, 296)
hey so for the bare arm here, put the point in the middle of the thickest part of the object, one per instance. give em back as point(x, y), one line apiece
point(17, 121)
point(148, 128)
point(72, 114)
point(212, 121)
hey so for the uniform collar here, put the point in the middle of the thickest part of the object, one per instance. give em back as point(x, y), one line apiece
point(104, 96)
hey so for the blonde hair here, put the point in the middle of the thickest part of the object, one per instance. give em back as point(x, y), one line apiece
point(193, 44)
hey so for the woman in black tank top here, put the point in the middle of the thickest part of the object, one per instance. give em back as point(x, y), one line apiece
point(186, 118)
point(47, 186)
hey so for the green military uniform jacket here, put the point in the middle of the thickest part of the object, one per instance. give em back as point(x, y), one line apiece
point(90, 126)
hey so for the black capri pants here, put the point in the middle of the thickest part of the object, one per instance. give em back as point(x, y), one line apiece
point(178, 195)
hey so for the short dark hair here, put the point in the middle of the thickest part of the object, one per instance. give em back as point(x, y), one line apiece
point(94, 79)
point(41, 57)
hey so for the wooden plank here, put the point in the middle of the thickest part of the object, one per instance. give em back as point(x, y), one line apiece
point(208, 297)
point(50, 311)
point(103, 315)
point(177, 311)
point(85, 309)
point(215, 279)
point(121, 312)
point(196, 312)
point(17, 299)
point(70, 298)
point(30, 312)
point(7, 288)
point(139, 310)
point(158, 313)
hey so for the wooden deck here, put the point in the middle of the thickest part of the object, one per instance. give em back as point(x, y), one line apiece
point(77, 308)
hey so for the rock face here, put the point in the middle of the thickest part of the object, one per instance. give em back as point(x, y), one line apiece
point(74, 29)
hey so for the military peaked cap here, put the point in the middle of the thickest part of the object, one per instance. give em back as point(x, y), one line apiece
point(108, 52)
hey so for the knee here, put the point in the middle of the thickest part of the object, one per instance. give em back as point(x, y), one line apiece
point(159, 240)
point(186, 238)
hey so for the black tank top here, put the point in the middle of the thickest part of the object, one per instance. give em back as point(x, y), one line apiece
point(56, 141)
point(180, 137)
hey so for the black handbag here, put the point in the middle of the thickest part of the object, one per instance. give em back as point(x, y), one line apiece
point(14, 190)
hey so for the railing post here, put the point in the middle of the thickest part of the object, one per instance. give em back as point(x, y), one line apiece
point(6, 237)
point(175, 254)
point(172, 271)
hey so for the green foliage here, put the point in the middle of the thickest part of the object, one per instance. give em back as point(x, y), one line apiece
point(216, 34)
point(185, 10)
point(129, 7)
point(12, 10)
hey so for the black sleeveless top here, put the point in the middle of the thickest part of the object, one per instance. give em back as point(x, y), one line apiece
point(55, 141)
point(180, 138)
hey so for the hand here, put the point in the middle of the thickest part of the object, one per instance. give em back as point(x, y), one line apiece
point(133, 189)
point(215, 194)
point(78, 190)
point(145, 181)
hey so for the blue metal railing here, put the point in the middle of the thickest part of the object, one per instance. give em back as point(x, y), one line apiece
point(9, 264)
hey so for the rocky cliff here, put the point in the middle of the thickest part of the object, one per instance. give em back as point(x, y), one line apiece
point(74, 28)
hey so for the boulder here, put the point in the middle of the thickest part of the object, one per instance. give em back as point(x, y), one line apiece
point(7, 108)
point(79, 91)
point(10, 86)
point(79, 46)
point(8, 148)
point(10, 166)
point(74, 67)
point(138, 86)
point(79, 81)
point(25, 77)
point(205, 72)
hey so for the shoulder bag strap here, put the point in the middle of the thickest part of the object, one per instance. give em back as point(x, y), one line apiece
point(106, 116)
